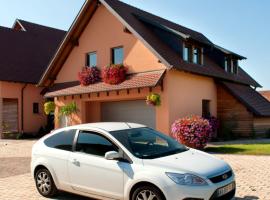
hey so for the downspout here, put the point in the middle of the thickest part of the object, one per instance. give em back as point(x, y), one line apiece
point(22, 104)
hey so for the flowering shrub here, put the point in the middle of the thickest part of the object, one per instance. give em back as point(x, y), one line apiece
point(49, 107)
point(89, 75)
point(193, 131)
point(214, 123)
point(153, 99)
point(114, 74)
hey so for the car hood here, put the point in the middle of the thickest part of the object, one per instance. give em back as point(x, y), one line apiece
point(190, 161)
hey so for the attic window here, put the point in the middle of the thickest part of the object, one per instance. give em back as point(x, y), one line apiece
point(227, 64)
point(91, 59)
point(197, 55)
point(192, 54)
point(187, 53)
point(235, 66)
point(117, 55)
point(231, 65)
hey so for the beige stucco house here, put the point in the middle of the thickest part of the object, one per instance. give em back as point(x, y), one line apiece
point(25, 51)
point(193, 75)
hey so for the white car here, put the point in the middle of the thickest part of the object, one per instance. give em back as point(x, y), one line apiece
point(127, 161)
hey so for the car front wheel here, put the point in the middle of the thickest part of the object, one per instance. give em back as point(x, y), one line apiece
point(44, 183)
point(147, 193)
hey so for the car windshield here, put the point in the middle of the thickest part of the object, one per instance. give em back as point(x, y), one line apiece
point(147, 143)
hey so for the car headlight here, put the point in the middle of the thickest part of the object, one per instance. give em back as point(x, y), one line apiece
point(186, 179)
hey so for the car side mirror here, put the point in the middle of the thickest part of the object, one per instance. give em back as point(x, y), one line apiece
point(112, 155)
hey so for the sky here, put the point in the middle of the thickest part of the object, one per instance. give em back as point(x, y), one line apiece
point(241, 26)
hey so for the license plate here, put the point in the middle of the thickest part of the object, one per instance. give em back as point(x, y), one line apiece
point(226, 189)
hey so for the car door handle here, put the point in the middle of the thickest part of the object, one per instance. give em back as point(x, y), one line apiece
point(75, 162)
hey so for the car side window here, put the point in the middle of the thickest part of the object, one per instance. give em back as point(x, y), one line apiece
point(62, 140)
point(94, 144)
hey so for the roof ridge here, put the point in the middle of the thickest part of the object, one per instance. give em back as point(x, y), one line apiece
point(162, 18)
point(40, 25)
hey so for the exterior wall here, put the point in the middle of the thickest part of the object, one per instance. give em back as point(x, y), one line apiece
point(89, 108)
point(102, 33)
point(182, 95)
point(233, 114)
point(32, 122)
point(261, 125)
point(186, 92)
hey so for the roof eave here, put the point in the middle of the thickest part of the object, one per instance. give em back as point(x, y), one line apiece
point(63, 44)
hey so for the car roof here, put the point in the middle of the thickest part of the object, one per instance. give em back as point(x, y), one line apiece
point(107, 126)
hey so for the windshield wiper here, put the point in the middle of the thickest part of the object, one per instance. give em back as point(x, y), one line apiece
point(164, 154)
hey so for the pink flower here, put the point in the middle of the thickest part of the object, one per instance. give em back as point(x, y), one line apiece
point(193, 131)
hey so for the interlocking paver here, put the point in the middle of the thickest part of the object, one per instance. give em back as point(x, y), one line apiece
point(252, 174)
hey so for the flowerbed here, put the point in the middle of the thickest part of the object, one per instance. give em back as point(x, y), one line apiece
point(192, 131)
point(114, 74)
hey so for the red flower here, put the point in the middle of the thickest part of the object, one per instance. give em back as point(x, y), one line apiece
point(114, 74)
point(89, 75)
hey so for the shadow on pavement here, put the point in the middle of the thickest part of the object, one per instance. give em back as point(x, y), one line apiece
point(246, 198)
point(69, 196)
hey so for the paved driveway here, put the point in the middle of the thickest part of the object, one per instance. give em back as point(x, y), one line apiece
point(252, 174)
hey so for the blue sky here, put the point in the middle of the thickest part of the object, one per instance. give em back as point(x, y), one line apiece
point(239, 25)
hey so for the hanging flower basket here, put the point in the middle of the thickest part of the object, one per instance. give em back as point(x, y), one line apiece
point(114, 74)
point(89, 75)
point(49, 107)
point(153, 99)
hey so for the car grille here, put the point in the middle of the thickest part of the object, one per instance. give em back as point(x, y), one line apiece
point(222, 177)
point(227, 196)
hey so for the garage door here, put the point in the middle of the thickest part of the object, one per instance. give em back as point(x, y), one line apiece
point(129, 111)
point(10, 115)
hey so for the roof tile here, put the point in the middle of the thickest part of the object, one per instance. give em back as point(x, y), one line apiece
point(139, 80)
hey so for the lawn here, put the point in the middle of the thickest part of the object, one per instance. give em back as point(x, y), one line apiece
point(244, 149)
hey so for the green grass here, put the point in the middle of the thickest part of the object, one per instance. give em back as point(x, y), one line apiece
point(244, 149)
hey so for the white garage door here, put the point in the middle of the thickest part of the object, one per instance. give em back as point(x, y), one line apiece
point(10, 115)
point(129, 111)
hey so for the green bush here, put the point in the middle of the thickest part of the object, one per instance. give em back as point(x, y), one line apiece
point(68, 109)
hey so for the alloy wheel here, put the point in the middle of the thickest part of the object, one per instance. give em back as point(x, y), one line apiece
point(44, 183)
point(146, 195)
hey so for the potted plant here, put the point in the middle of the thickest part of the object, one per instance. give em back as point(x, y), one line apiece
point(49, 107)
point(67, 111)
point(114, 74)
point(192, 131)
point(89, 75)
point(153, 99)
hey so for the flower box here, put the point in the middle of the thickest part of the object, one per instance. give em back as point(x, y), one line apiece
point(114, 74)
point(89, 75)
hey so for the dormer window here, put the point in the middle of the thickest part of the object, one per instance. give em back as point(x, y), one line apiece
point(235, 66)
point(227, 64)
point(187, 53)
point(192, 54)
point(231, 65)
point(197, 55)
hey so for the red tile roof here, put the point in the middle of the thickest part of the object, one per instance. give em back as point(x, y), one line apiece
point(266, 94)
point(139, 80)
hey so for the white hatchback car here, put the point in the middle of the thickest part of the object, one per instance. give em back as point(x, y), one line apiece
point(127, 161)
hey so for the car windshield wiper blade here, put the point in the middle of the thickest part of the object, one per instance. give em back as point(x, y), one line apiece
point(163, 154)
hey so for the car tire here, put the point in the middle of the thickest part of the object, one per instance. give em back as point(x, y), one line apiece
point(147, 192)
point(44, 183)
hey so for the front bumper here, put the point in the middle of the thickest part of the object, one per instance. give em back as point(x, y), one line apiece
point(209, 192)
